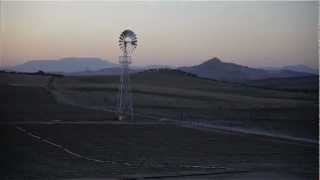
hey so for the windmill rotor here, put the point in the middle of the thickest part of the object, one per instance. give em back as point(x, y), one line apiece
point(128, 41)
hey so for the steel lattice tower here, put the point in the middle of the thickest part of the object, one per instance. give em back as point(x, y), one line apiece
point(127, 43)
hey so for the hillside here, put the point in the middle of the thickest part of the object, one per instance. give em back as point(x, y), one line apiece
point(103, 72)
point(307, 83)
point(81, 142)
point(173, 94)
point(219, 70)
point(297, 68)
point(26, 97)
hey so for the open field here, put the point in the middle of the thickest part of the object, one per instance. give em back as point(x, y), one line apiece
point(36, 103)
point(164, 95)
point(146, 149)
point(52, 150)
point(308, 83)
point(170, 94)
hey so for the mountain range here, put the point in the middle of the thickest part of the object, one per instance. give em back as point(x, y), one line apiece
point(216, 69)
point(213, 69)
point(297, 68)
point(65, 65)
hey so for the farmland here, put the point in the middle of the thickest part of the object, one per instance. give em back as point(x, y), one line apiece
point(52, 113)
point(170, 94)
point(146, 149)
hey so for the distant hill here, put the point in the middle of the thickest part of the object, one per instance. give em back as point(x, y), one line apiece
point(65, 65)
point(307, 83)
point(105, 71)
point(117, 70)
point(216, 69)
point(212, 69)
point(157, 66)
point(297, 68)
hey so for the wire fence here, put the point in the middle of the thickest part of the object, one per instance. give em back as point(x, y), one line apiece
point(87, 158)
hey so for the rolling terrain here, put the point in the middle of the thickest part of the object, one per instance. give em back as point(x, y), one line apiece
point(297, 68)
point(216, 69)
point(69, 149)
point(213, 68)
point(173, 94)
point(307, 83)
point(37, 104)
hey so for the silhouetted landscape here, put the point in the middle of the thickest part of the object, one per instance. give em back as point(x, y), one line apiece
point(128, 90)
point(184, 115)
point(213, 68)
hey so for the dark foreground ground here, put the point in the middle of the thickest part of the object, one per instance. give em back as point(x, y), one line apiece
point(105, 149)
point(148, 149)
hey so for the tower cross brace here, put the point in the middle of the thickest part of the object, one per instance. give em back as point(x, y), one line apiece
point(125, 107)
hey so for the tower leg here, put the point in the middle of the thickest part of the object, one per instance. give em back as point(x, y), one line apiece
point(125, 109)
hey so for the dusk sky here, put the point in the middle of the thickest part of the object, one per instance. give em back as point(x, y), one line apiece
point(175, 33)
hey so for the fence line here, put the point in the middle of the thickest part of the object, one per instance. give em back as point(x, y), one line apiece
point(77, 155)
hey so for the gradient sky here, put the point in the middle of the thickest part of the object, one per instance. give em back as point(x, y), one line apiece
point(176, 33)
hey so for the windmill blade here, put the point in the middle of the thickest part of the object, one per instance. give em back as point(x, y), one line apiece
point(125, 44)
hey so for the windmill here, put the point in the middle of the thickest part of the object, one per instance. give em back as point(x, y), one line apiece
point(127, 43)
